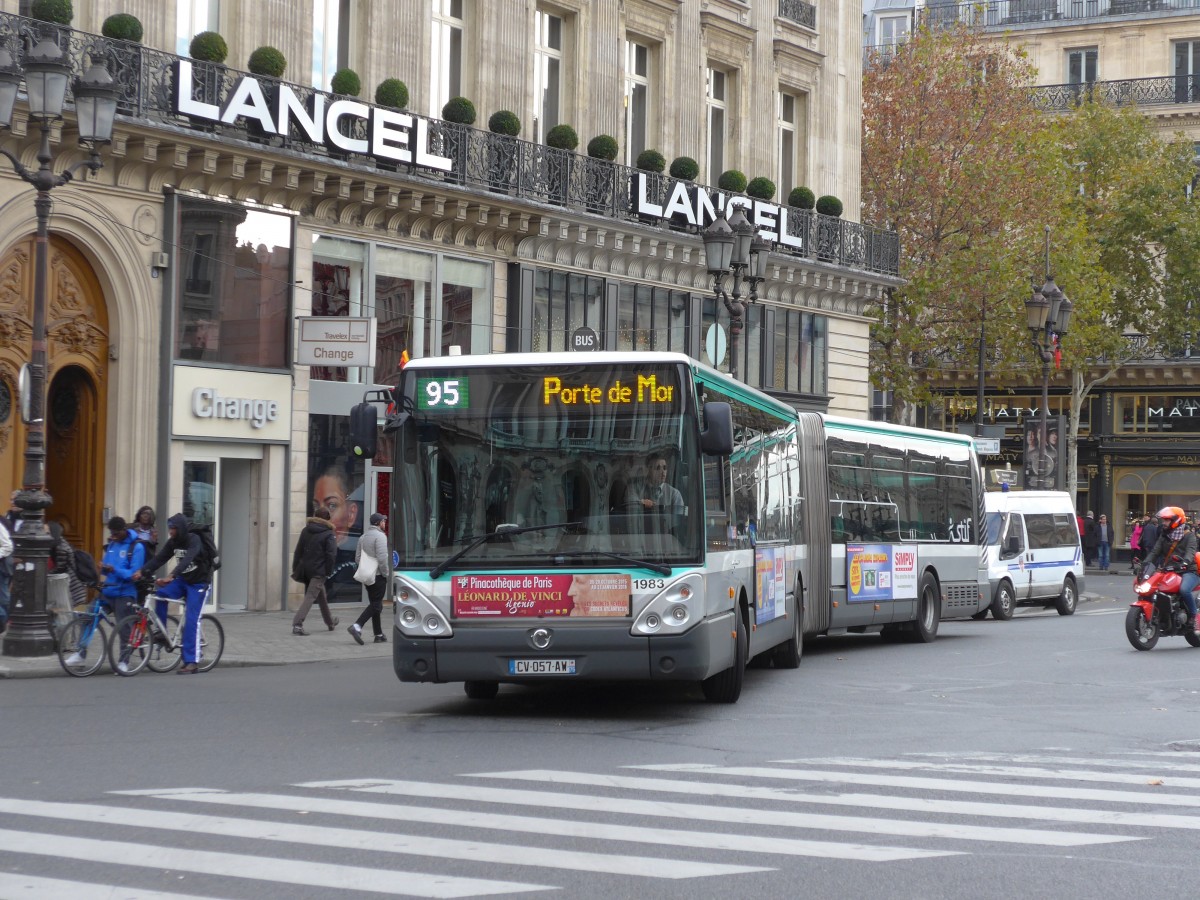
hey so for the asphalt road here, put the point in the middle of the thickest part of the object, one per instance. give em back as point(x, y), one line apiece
point(1042, 756)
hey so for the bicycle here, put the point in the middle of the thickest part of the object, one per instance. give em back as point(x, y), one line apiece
point(74, 639)
point(150, 643)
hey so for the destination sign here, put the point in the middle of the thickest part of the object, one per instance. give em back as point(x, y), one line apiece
point(621, 392)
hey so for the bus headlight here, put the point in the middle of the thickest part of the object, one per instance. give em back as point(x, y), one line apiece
point(416, 615)
point(673, 611)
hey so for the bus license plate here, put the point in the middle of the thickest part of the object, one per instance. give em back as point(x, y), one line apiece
point(541, 667)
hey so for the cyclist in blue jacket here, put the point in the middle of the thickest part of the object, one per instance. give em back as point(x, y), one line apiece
point(190, 579)
point(124, 555)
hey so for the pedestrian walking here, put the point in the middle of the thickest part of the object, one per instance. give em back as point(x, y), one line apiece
point(373, 545)
point(1135, 537)
point(1149, 536)
point(190, 580)
point(124, 554)
point(1104, 541)
point(1090, 539)
point(143, 527)
point(312, 563)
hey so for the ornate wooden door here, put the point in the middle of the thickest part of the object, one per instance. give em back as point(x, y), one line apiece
point(76, 401)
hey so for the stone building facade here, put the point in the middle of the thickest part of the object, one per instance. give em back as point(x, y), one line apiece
point(231, 208)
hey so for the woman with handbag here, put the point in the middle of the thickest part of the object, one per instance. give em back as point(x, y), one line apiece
point(374, 571)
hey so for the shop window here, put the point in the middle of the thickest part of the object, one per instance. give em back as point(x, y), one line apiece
point(337, 290)
point(465, 314)
point(651, 318)
point(331, 40)
point(563, 302)
point(801, 348)
point(235, 285)
point(336, 482)
point(191, 18)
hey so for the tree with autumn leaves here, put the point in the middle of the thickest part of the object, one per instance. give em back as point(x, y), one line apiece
point(960, 161)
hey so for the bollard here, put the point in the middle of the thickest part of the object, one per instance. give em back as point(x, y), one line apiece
point(58, 600)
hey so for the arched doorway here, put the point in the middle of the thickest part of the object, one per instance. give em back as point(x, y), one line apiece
point(76, 400)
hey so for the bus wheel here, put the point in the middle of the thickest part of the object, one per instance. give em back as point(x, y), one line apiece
point(929, 611)
point(789, 654)
point(726, 686)
point(1004, 603)
point(481, 690)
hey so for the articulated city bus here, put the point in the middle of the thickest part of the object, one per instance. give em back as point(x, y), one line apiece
point(616, 516)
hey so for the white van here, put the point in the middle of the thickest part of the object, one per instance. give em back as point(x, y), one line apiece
point(1033, 551)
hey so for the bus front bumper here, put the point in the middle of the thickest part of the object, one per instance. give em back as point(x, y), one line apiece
point(603, 653)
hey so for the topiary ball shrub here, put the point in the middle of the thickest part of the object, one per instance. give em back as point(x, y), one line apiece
point(60, 12)
point(267, 61)
point(392, 92)
point(651, 161)
point(208, 46)
point(122, 27)
point(603, 146)
point(460, 110)
point(684, 168)
point(346, 82)
point(504, 121)
point(562, 137)
point(732, 180)
point(802, 198)
point(761, 188)
point(828, 205)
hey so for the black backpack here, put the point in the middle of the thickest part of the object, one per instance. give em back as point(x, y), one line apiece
point(208, 545)
point(85, 569)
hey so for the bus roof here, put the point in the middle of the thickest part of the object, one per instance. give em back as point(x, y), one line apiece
point(866, 426)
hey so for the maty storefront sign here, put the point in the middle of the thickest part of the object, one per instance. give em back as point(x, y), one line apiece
point(700, 207)
point(230, 404)
point(391, 135)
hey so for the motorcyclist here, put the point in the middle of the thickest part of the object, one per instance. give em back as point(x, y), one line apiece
point(1176, 548)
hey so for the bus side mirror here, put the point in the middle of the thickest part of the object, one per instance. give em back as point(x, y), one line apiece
point(717, 437)
point(364, 430)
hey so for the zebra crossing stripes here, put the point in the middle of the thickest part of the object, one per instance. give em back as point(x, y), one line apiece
point(934, 784)
point(626, 833)
point(258, 868)
point(39, 887)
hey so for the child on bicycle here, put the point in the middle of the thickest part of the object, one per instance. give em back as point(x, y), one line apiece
point(124, 555)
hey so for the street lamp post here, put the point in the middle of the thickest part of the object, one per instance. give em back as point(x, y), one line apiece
point(1048, 315)
point(733, 247)
point(46, 74)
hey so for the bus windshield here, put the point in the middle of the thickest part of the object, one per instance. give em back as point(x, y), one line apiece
point(542, 465)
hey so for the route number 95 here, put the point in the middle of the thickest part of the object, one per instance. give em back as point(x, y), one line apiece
point(442, 393)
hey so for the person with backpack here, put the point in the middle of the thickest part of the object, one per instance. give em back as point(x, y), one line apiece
point(312, 563)
point(190, 580)
point(124, 555)
point(69, 561)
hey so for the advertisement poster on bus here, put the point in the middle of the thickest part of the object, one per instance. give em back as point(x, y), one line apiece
point(769, 579)
point(595, 595)
point(877, 572)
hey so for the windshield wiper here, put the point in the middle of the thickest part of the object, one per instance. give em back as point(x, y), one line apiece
point(660, 568)
point(502, 530)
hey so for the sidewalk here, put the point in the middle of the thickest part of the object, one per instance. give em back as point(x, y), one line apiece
point(253, 639)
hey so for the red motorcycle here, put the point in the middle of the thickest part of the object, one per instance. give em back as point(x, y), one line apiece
point(1158, 611)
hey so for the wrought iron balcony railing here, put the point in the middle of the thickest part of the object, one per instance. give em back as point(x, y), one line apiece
point(1164, 90)
point(519, 169)
point(1006, 13)
point(799, 12)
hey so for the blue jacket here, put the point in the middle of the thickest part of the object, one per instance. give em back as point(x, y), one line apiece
point(126, 557)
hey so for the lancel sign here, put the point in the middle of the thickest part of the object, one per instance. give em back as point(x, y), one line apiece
point(699, 207)
point(391, 135)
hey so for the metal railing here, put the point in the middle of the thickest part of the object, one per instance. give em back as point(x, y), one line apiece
point(491, 162)
point(799, 12)
point(1004, 13)
point(1163, 90)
